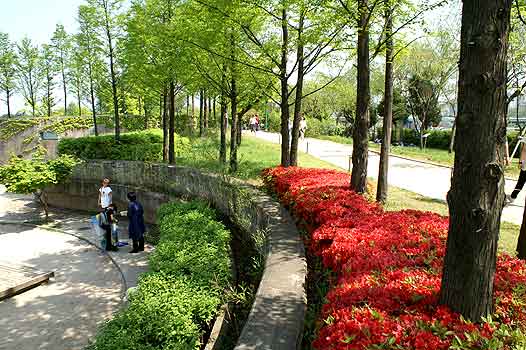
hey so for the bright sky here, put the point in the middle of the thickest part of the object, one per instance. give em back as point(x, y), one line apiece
point(35, 19)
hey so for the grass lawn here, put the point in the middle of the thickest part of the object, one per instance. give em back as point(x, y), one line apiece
point(438, 156)
point(255, 155)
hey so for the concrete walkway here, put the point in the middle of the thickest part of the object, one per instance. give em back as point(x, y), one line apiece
point(426, 179)
point(89, 285)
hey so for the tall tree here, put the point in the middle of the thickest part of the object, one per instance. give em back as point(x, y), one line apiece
point(476, 197)
point(382, 188)
point(29, 72)
point(49, 70)
point(361, 127)
point(62, 48)
point(8, 63)
point(77, 73)
point(90, 46)
point(108, 15)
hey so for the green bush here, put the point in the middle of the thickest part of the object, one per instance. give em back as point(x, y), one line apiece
point(127, 121)
point(193, 245)
point(438, 139)
point(174, 304)
point(142, 146)
point(327, 127)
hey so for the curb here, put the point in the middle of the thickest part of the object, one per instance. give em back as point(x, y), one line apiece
point(29, 223)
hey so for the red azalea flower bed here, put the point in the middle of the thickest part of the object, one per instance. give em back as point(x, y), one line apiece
point(388, 268)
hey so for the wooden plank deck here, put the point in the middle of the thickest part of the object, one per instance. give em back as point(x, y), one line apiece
point(15, 279)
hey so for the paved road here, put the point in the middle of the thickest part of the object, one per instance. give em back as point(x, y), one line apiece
point(426, 179)
point(86, 290)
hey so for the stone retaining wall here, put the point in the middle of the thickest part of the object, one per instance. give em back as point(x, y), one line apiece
point(277, 316)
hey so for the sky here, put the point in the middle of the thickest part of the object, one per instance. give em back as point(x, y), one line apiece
point(35, 19)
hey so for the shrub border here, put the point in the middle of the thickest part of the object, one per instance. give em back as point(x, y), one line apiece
point(277, 315)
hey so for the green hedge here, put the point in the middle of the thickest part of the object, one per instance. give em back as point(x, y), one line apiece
point(142, 146)
point(174, 305)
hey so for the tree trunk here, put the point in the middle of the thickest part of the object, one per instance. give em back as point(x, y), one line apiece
point(92, 97)
point(361, 128)
point(452, 141)
point(233, 127)
point(48, 96)
point(383, 187)
point(285, 113)
point(209, 117)
point(201, 121)
point(239, 129)
point(146, 115)
point(64, 85)
point(165, 126)
point(205, 112)
point(476, 196)
point(113, 77)
point(193, 113)
point(299, 93)
point(79, 103)
point(233, 106)
point(8, 96)
point(215, 115)
point(222, 147)
point(171, 145)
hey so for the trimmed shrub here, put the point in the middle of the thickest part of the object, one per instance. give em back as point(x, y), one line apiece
point(174, 305)
point(142, 146)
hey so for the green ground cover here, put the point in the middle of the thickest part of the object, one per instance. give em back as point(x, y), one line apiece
point(174, 304)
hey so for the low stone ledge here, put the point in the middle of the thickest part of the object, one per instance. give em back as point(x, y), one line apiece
point(277, 315)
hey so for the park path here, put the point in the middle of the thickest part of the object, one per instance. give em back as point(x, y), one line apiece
point(89, 285)
point(426, 179)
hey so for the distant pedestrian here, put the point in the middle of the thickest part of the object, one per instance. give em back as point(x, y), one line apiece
point(136, 227)
point(303, 127)
point(253, 124)
point(522, 176)
point(105, 194)
point(257, 122)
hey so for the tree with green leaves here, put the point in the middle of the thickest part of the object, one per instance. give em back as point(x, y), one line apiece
point(89, 45)
point(109, 22)
point(49, 69)
point(29, 72)
point(61, 44)
point(77, 76)
point(423, 104)
point(26, 176)
point(8, 62)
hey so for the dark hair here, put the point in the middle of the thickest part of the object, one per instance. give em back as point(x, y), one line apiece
point(132, 196)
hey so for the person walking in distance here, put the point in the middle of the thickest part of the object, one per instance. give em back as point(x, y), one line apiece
point(303, 127)
point(136, 227)
point(105, 194)
point(522, 177)
point(253, 124)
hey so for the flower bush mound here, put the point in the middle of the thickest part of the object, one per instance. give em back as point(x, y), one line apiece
point(387, 268)
point(175, 304)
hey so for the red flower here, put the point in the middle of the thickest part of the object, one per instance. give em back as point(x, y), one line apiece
point(388, 267)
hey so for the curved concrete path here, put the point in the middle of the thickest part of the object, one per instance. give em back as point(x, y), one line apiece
point(64, 313)
point(88, 287)
point(426, 179)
